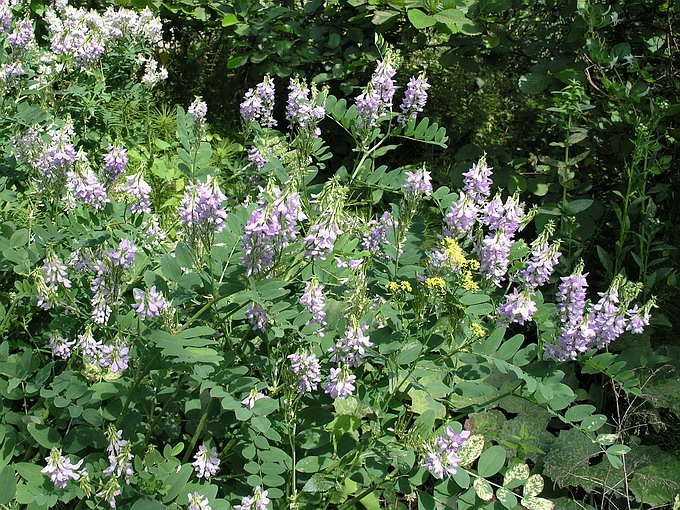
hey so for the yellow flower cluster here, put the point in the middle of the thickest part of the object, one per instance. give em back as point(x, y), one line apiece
point(477, 330)
point(457, 260)
point(435, 283)
point(468, 282)
point(395, 287)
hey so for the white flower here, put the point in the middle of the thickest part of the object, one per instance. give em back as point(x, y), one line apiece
point(207, 463)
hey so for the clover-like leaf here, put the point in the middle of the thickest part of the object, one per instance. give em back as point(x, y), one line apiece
point(534, 503)
point(471, 450)
point(506, 497)
point(533, 485)
point(483, 489)
point(518, 471)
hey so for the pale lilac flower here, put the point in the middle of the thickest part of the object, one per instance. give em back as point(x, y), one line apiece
point(351, 348)
point(139, 191)
point(518, 307)
point(120, 456)
point(414, 100)
point(88, 346)
point(85, 185)
point(258, 501)
point(258, 103)
point(115, 357)
point(257, 316)
point(55, 272)
point(198, 502)
point(307, 369)
point(115, 161)
point(374, 240)
point(149, 304)
point(607, 318)
point(201, 211)
point(544, 258)
point(319, 243)
point(508, 216)
point(418, 184)
point(207, 463)
point(461, 216)
point(22, 39)
point(493, 256)
point(5, 15)
point(340, 383)
point(299, 109)
point(153, 72)
point(376, 100)
point(60, 346)
point(442, 456)
point(256, 157)
point(271, 228)
point(198, 109)
point(124, 256)
point(253, 396)
point(60, 469)
point(314, 302)
point(639, 318)
point(478, 180)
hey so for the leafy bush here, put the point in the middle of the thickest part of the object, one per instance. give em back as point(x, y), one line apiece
point(187, 325)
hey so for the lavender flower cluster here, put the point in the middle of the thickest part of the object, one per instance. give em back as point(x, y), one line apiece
point(442, 456)
point(258, 103)
point(299, 109)
point(272, 227)
point(500, 220)
point(201, 212)
point(85, 36)
point(585, 325)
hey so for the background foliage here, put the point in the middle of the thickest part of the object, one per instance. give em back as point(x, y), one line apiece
point(575, 106)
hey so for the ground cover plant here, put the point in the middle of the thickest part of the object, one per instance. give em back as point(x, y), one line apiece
point(315, 316)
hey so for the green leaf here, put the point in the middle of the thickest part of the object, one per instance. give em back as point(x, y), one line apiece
point(579, 413)
point(506, 497)
point(577, 206)
point(491, 461)
point(313, 464)
point(8, 485)
point(483, 489)
point(238, 61)
point(229, 20)
point(656, 484)
point(46, 436)
point(510, 347)
point(533, 83)
point(148, 504)
point(419, 19)
point(318, 483)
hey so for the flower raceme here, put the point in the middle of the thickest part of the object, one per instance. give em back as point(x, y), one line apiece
point(60, 469)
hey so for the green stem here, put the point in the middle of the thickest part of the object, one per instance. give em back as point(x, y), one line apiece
point(162, 412)
point(199, 429)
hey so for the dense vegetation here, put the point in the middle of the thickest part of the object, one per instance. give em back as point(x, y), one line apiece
point(342, 254)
